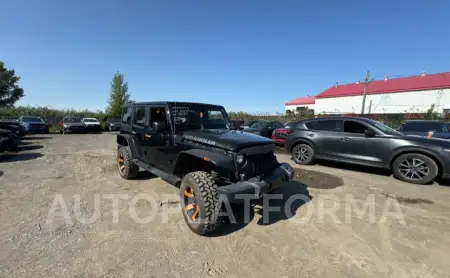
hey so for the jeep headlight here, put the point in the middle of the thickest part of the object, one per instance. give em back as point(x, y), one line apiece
point(240, 158)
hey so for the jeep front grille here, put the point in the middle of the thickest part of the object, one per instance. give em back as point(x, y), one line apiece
point(259, 164)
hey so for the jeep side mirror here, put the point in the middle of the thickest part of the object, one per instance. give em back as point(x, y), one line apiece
point(159, 126)
point(369, 132)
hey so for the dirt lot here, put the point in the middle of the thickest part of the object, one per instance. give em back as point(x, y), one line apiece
point(412, 241)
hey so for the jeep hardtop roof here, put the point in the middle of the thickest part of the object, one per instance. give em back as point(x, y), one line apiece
point(169, 102)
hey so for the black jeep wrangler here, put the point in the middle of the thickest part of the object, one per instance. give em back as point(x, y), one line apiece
point(192, 145)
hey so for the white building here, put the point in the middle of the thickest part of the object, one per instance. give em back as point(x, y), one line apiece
point(301, 103)
point(413, 94)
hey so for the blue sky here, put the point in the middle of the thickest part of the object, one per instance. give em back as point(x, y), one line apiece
point(246, 55)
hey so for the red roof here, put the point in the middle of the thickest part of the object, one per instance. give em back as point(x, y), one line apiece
point(395, 85)
point(302, 100)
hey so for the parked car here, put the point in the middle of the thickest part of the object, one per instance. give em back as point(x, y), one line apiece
point(264, 128)
point(92, 124)
point(14, 126)
point(72, 125)
point(113, 124)
point(247, 124)
point(366, 142)
point(8, 140)
point(199, 153)
point(34, 124)
point(237, 124)
point(279, 135)
point(440, 129)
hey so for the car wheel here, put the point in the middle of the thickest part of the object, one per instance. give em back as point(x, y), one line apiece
point(303, 154)
point(200, 202)
point(127, 169)
point(415, 168)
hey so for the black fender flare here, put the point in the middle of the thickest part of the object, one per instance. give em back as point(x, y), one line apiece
point(131, 141)
point(193, 159)
point(302, 140)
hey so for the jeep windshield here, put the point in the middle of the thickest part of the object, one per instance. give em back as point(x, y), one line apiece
point(199, 116)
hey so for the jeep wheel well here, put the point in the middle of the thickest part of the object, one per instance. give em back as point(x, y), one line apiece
point(122, 141)
point(191, 164)
point(438, 163)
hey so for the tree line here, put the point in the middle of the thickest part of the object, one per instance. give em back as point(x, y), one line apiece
point(11, 92)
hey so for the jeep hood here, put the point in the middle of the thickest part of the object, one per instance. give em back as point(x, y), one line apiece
point(226, 139)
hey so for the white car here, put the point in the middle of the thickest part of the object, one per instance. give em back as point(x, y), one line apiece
point(92, 124)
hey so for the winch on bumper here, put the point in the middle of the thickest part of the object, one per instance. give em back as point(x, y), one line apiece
point(257, 186)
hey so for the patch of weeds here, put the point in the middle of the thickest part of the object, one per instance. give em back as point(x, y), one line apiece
point(405, 200)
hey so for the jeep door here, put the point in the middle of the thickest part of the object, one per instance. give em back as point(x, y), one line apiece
point(355, 146)
point(159, 149)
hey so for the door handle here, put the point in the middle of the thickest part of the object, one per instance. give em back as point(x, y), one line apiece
point(345, 139)
point(147, 136)
point(134, 132)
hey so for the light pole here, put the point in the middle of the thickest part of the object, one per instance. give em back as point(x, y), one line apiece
point(366, 83)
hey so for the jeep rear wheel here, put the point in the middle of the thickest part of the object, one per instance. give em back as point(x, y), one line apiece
point(200, 202)
point(127, 169)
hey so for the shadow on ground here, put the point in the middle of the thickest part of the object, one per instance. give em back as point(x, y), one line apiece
point(28, 147)
point(281, 204)
point(36, 138)
point(1, 173)
point(19, 157)
point(316, 179)
point(145, 175)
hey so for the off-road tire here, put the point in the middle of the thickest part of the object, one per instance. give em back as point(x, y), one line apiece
point(430, 164)
point(303, 148)
point(206, 198)
point(127, 169)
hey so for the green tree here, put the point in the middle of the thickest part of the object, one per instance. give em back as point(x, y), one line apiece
point(10, 92)
point(118, 95)
point(431, 114)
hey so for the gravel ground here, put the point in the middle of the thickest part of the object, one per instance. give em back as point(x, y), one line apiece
point(407, 234)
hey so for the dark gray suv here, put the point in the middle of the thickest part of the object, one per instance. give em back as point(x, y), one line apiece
point(367, 142)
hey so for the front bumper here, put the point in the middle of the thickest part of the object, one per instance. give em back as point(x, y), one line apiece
point(254, 188)
point(74, 129)
point(93, 128)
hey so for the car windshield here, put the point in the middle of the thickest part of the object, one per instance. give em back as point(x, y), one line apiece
point(72, 120)
point(198, 116)
point(385, 129)
point(249, 123)
point(259, 124)
point(115, 120)
point(32, 119)
point(90, 120)
point(423, 127)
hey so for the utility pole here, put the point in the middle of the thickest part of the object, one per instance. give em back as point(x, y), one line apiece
point(366, 83)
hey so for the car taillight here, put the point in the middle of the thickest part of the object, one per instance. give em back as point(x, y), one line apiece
point(61, 123)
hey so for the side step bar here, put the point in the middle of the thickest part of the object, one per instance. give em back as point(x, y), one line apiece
point(174, 180)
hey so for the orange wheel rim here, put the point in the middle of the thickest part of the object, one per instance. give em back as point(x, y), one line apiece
point(121, 162)
point(190, 204)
